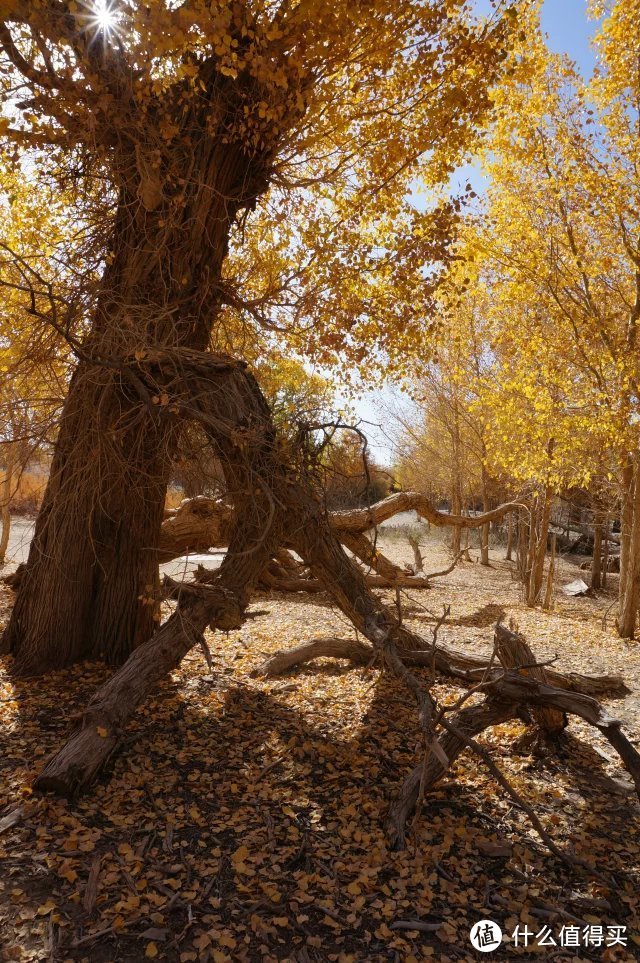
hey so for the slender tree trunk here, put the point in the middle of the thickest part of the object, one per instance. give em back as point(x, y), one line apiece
point(605, 560)
point(486, 529)
point(524, 523)
point(538, 532)
point(626, 524)
point(630, 588)
point(5, 499)
point(456, 509)
point(548, 595)
point(596, 568)
point(456, 479)
point(509, 555)
point(92, 571)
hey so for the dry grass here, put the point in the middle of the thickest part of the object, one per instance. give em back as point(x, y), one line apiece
point(27, 491)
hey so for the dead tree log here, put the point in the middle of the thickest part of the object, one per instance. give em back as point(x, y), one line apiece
point(507, 695)
point(471, 721)
point(201, 523)
point(196, 526)
point(362, 519)
point(385, 574)
point(514, 653)
point(275, 506)
point(99, 731)
point(358, 653)
point(467, 669)
point(201, 520)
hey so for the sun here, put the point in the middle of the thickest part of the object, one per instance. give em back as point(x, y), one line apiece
point(104, 16)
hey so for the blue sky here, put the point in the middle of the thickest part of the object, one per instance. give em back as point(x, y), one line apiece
point(568, 29)
point(567, 25)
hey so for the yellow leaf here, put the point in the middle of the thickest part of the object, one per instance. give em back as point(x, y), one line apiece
point(240, 854)
point(102, 731)
point(151, 950)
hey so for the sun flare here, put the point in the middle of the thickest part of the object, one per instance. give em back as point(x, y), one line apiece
point(104, 16)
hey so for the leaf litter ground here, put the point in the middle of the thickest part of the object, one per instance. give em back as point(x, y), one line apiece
point(243, 819)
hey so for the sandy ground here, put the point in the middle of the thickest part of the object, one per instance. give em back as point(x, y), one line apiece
point(243, 819)
point(21, 533)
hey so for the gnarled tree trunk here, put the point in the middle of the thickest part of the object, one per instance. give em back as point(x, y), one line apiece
point(284, 506)
point(92, 574)
point(281, 507)
point(629, 592)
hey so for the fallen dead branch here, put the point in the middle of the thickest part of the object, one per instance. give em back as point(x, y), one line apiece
point(201, 523)
point(280, 510)
point(449, 662)
point(507, 693)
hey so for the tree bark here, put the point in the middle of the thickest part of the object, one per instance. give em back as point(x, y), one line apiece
point(548, 595)
point(509, 553)
point(605, 557)
point(514, 652)
point(630, 544)
point(596, 568)
point(485, 529)
point(5, 499)
point(92, 571)
point(88, 586)
point(537, 549)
